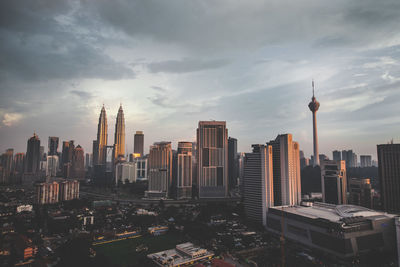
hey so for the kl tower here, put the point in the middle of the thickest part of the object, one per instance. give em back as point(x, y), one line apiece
point(314, 106)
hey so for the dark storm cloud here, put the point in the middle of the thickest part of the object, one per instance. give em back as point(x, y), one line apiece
point(31, 17)
point(185, 65)
point(373, 14)
point(36, 45)
point(350, 47)
point(215, 26)
point(79, 60)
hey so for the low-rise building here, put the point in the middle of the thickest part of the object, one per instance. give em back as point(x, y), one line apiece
point(158, 230)
point(183, 254)
point(27, 208)
point(343, 231)
point(145, 212)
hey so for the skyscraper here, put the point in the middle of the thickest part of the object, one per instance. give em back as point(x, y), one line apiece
point(241, 159)
point(125, 172)
point(365, 161)
point(360, 192)
point(389, 176)
point(19, 165)
point(334, 182)
point(53, 145)
point(304, 162)
point(258, 184)
point(141, 168)
point(42, 154)
point(138, 146)
point(52, 166)
point(95, 153)
point(87, 161)
point(33, 155)
point(7, 164)
point(119, 137)
point(184, 170)
point(314, 106)
point(336, 155)
point(102, 136)
point(78, 163)
point(212, 159)
point(232, 163)
point(350, 158)
point(286, 169)
point(160, 169)
point(66, 158)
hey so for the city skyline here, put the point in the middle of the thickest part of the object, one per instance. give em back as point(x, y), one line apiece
point(129, 143)
point(66, 59)
point(200, 133)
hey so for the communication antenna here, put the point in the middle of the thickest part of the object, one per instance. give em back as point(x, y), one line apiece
point(312, 84)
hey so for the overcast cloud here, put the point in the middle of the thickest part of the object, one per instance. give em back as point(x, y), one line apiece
point(173, 63)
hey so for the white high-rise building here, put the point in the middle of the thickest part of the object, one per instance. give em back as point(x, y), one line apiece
point(258, 184)
point(286, 168)
point(52, 166)
point(125, 172)
point(141, 168)
point(212, 159)
point(184, 170)
point(365, 161)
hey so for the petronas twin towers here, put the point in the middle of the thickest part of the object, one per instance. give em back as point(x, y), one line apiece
point(100, 145)
point(119, 137)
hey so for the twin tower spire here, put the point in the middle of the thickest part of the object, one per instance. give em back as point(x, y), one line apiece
point(100, 145)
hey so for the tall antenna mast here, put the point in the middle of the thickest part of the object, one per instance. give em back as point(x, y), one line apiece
point(312, 84)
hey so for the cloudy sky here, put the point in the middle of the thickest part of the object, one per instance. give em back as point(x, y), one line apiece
point(173, 63)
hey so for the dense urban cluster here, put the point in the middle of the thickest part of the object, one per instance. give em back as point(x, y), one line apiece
point(203, 204)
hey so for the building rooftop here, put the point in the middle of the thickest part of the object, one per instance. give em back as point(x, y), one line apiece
point(334, 213)
point(191, 250)
point(179, 256)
